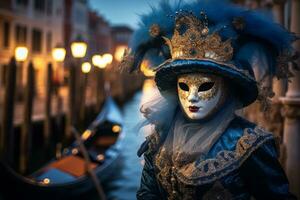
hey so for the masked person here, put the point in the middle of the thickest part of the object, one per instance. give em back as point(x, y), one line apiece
point(203, 56)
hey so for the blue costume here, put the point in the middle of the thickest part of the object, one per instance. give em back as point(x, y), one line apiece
point(226, 41)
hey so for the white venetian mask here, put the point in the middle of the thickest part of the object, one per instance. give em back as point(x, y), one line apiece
point(200, 94)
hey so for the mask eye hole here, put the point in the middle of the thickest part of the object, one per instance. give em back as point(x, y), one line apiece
point(206, 86)
point(184, 86)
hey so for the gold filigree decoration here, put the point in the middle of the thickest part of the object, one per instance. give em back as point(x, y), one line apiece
point(191, 39)
point(212, 169)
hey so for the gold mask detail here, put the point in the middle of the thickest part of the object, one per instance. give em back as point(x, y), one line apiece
point(199, 94)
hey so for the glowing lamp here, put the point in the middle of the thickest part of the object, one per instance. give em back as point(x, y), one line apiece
point(98, 61)
point(120, 52)
point(46, 181)
point(78, 48)
point(100, 157)
point(59, 54)
point(21, 53)
point(86, 67)
point(116, 128)
point(86, 134)
point(107, 58)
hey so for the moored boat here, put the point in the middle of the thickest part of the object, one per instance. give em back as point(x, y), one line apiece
point(66, 177)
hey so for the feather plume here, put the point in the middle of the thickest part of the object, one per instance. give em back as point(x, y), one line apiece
point(244, 27)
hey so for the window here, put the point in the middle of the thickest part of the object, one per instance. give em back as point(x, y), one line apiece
point(39, 5)
point(49, 42)
point(49, 7)
point(36, 41)
point(22, 2)
point(21, 35)
point(6, 36)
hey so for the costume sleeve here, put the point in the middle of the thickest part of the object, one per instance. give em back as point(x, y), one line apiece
point(264, 176)
point(149, 189)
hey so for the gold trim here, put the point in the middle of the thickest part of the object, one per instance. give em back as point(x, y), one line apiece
point(191, 38)
point(210, 170)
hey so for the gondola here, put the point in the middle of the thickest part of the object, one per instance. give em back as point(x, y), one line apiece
point(59, 179)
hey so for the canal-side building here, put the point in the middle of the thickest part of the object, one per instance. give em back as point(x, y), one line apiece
point(100, 39)
point(283, 119)
point(36, 24)
point(76, 18)
point(122, 83)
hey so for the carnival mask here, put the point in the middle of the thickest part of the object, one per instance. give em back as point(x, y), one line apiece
point(200, 95)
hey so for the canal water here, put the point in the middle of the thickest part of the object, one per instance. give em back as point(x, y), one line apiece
point(127, 180)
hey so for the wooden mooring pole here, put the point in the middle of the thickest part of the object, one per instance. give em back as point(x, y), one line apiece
point(100, 88)
point(70, 120)
point(83, 98)
point(48, 103)
point(7, 128)
point(25, 139)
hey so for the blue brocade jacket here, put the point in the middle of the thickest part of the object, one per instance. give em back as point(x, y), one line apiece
point(241, 165)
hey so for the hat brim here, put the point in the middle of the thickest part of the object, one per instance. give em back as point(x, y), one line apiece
point(245, 84)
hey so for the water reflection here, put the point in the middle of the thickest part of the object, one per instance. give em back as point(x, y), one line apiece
point(126, 182)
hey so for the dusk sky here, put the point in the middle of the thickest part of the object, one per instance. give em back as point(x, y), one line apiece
point(123, 11)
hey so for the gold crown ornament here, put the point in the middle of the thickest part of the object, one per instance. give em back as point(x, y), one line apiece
point(191, 40)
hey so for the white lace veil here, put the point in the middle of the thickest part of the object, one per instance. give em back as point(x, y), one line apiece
point(186, 140)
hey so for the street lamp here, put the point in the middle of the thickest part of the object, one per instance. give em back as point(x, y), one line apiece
point(59, 53)
point(21, 53)
point(86, 67)
point(120, 52)
point(107, 58)
point(96, 60)
point(78, 48)
point(99, 61)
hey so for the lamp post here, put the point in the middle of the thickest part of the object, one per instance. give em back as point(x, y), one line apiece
point(21, 54)
point(58, 54)
point(78, 49)
point(85, 68)
point(100, 64)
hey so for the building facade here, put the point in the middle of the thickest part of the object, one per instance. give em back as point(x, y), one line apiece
point(76, 15)
point(35, 24)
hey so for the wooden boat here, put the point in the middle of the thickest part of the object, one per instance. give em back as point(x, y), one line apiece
point(66, 177)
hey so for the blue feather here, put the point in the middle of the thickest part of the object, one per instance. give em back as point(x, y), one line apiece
point(258, 28)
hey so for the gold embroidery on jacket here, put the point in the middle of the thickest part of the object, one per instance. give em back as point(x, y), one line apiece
point(174, 179)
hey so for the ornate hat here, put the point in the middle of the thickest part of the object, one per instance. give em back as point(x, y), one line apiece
point(212, 37)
